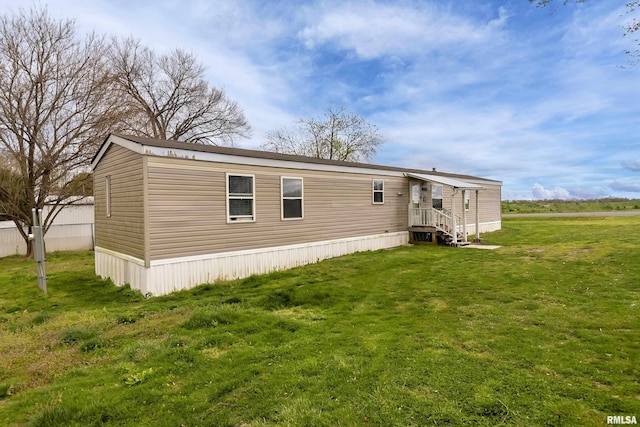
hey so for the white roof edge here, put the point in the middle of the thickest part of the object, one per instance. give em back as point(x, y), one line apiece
point(445, 180)
point(111, 139)
point(232, 158)
point(259, 161)
point(228, 158)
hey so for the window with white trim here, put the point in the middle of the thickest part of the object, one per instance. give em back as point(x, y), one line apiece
point(241, 200)
point(292, 194)
point(378, 191)
point(467, 201)
point(107, 188)
point(436, 196)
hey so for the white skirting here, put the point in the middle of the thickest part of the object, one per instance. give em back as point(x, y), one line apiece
point(168, 275)
point(485, 227)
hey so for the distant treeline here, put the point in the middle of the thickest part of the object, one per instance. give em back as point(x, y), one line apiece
point(558, 205)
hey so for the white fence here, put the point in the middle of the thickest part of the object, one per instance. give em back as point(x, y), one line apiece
point(72, 230)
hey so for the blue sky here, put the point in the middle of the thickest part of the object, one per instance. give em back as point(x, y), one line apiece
point(543, 101)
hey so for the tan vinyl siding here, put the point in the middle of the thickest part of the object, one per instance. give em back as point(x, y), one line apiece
point(489, 203)
point(490, 207)
point(123, 231)
point(187, 208)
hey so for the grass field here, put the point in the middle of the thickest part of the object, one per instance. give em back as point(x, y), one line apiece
point(541, 332)
point(559, 206)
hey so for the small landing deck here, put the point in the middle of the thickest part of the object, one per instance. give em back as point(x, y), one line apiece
point(490, 247)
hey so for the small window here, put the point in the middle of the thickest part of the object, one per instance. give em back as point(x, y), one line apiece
point(378, 191)
point(107, 188)
point(436, 196)
point(292, 198)
point(240, 198)
point(467, 201)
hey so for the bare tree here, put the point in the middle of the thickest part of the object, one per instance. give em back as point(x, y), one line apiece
point(170, 99)
point(12, 194)
point(338, 135)
point(544, 3)
point(630, 27)
point(55, 107)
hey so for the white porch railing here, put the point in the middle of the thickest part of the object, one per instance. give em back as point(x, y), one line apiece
point(430, 217)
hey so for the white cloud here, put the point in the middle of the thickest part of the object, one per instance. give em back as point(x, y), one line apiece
point(632, 165)
point(626, 186)
point(539, 192)
point(596, 29)
point(374, 29)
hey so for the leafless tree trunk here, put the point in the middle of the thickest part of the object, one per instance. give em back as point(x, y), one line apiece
point(56, 105)
point(170, 98)
point(339, 135)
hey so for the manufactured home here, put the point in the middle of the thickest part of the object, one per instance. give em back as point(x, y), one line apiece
point(171, 215)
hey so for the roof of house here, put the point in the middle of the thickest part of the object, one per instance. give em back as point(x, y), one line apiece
point(241, 152)
point(446, 180)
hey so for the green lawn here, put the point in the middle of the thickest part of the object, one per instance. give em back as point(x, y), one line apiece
point(544, 331)
point(555, 206)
